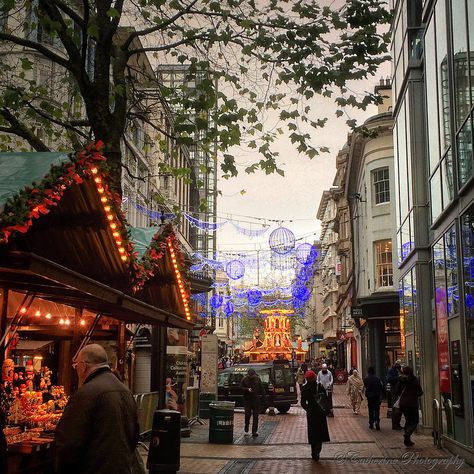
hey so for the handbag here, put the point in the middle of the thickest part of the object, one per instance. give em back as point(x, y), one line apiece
point(397, 401)
point(322, 401)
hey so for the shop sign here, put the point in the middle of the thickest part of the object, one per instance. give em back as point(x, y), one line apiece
point(338, 266)
point(442, 341)
point(357, 312)
point(177, 369)
point(209, 353)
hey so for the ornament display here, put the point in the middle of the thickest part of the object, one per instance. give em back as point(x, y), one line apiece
point(300, 292)
point(228, 308)
point(235, 269)
point(282, 240)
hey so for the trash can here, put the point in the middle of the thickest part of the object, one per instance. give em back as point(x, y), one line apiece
point(221, 426)
point(204, 400)
point(165, 445)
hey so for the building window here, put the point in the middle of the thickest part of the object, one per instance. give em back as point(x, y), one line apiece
point(381, 185)
point(383, 263)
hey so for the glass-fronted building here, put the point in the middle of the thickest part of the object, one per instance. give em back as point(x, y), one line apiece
point(433, 75)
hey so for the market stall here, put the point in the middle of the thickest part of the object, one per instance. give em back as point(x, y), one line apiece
point(69, 274)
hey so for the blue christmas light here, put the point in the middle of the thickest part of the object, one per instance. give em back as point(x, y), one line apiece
point(306, 254)
point(216, 301)
point(228, 308)
point(254, 296)
point(235, 269)
point(282, 241)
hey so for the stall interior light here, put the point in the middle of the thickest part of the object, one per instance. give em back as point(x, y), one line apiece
point(48, 316)
point(37, 313)
point(23, 310)
point(67, 322)
point(61, 321)
point(82, 323)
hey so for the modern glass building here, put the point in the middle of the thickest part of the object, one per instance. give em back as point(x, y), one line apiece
point(433, 83)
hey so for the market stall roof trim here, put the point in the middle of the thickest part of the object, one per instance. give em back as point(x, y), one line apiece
point(63, 210)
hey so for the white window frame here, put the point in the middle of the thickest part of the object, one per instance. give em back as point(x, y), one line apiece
point(381, 185)
point(383, 263)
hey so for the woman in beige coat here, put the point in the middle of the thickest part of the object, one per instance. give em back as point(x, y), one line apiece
point(355, 387)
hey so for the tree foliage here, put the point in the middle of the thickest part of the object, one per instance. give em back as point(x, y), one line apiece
point(261, 58)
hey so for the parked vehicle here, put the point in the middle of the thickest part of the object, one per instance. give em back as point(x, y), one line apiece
point(277, 378)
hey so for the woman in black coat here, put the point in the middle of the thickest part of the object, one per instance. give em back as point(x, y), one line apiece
point(409, 390)
point(316, 419)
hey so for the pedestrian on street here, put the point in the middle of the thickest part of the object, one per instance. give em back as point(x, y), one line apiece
point(98, 432)
point(373, 392)
point(326, 379)
point(355, 387)
point(317, 424)
point(302, 369)
point(409, 391)
point(393, 375)
point(253, 392)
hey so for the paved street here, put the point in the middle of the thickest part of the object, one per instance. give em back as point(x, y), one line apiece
point(282, 448)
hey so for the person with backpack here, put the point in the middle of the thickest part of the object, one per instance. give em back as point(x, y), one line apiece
point(373, 392)
point(393, 375)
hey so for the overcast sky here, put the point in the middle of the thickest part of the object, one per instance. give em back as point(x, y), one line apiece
point(294, 198)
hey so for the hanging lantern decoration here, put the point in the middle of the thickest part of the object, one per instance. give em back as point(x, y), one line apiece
point(282, 241)
point(305, 273)
point(306, 254)
point(282, 262)
point(298, 304)
point(235, 269)
point(254, 296)
point(216, 301)
point(228, 308)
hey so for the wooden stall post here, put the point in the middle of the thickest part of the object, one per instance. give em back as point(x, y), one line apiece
point(121, 342)
point(158, 363)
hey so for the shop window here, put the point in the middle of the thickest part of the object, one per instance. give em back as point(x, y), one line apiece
point(383, 263)
point(381, 182)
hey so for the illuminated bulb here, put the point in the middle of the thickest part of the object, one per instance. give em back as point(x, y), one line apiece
point(23, 310)
point(67, 322)
point(124, 258)
point(110, 217)
point(98, 179)
point(118, 242)
point(188, 317)
point(38, 313)
point(48, 316)
point(83, 323)
point(121, 250)
point(116, 234)
point(94, 170)
point(103, 199)
point(61, 321)
point(107, 208)
point(100, 189)
point(113, 225)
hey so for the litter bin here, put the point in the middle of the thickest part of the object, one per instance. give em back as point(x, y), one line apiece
point(221, 427)
point(204, 400)
point(165, 445)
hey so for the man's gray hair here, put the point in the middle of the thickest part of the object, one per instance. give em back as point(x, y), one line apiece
point(94, 354)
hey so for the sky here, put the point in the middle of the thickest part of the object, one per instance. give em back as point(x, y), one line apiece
point(294, 198)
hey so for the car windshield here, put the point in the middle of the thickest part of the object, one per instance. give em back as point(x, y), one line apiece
point(264, 375)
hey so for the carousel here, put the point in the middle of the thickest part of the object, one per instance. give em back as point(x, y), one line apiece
point(275, 342)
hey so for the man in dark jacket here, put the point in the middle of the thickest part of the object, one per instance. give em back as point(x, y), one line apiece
point(373, 392)
point(98, 432)
point(409, 390)
point(393, 375)
point(253, 391)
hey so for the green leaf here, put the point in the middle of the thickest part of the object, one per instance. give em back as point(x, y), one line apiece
point(113, 12)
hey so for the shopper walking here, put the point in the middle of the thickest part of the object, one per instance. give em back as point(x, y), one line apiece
point(355, 387)
point(98, 432)
point(326, 379)
point(253, 392)
point(317, 424)
point(393, 375)
point(302, 369)
point(373, 392)
point(409, 391)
